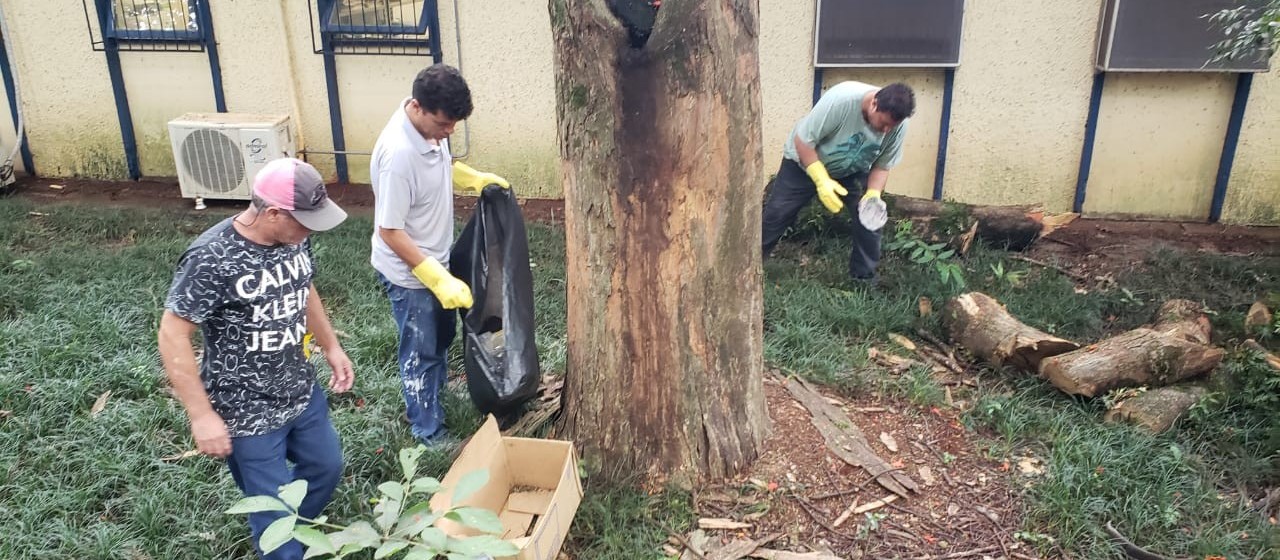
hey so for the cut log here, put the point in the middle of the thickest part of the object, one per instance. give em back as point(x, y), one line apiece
point(1008, 227)
point(1183, 318)
point(981, 325)
point(1156, 410)
point(1139, 357)
point(1271, 359)
point(1258, 317)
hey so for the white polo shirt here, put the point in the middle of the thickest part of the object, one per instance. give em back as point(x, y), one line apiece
point(413, 191)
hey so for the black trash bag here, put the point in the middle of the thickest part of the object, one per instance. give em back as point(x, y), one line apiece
point(498, 347)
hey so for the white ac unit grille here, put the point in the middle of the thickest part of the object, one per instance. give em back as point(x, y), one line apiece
point(213, 160)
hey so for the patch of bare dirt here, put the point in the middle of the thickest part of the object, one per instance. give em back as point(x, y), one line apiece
point(799, 488)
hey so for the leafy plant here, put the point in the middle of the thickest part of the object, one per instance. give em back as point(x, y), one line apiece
point(1251, 31)
point(1011, 278)
point(395, 528)
point(917, 250)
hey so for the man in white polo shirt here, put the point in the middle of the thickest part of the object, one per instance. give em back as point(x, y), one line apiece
point(413, 177)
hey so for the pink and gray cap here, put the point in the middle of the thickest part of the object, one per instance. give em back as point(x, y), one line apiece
point(294, 185)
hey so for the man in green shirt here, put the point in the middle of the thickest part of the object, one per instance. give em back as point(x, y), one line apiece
point(847, 143)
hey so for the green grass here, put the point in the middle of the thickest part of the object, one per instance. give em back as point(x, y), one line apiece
point(81, 290)
point(1174, 493)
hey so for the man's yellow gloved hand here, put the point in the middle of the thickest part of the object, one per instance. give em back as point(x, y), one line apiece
point(872, 211)
point(452, 292)
point(464, 177)
point(829, 191)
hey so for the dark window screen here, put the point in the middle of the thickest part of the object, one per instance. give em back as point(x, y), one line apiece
point(1172, 35)
point(888, 32)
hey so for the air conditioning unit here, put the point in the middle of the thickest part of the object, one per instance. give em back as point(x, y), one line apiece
point(218, 154)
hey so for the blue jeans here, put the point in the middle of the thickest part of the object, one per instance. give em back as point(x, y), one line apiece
point(426, 331)
point(258, 465)
point(792, 189)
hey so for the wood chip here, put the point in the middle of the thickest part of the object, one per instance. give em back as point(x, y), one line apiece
point(888, 441)
point(902, 341)
point(184, 455)
point(56, 187)
point(926, 306)
point(870, 409)
point(926, 476)
point(855, 509)
point(6, 413)
point(721, 524)
point(99, 404)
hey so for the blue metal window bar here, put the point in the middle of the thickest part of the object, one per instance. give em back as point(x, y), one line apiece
point(150, 25)
point(378, 27)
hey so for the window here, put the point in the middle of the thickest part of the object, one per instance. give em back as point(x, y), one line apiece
point(152, 20)
point(891, 33)
point(1163, 35)
point(376, 17)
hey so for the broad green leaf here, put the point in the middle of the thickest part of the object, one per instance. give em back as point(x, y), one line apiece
point(936, 246)
point(255, 504)
point(946, 254)
point(393, 490)
point(359, 535)
point(425, 484)
point(470, 483)
point(483, 544)
point(293, 493)
point(317, 543)
point(421, 553)
point(433, 537)
point(278, 532)
point(479, 519)
point(409, 460)
point(388, 511)
point(944, 272)
point(389, 548)
point(916, 253)
point(415, 519)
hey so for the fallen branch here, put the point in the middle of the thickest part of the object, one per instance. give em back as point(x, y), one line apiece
point(768, 554)
point(962, 554)
point(1131, 550)
point(738, 549)
point(845, 440)
point(1073, 274)
point(855, 509)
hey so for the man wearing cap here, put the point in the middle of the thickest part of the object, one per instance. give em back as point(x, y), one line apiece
point(413, 176)
point(246, 283)
point(847, 143)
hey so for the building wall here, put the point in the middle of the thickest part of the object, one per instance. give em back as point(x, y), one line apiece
point(1021, 99)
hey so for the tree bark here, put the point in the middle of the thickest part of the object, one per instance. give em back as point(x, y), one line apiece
point(1156, 410)
point(1185, 319)
point(660, 141)
point(982, 326)
point(1012, 228)
point(1139, 357)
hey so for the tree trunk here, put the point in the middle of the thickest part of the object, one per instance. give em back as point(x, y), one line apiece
point(1156, 410)
point(981, 325)
point(1138, 357)
point(659, 118)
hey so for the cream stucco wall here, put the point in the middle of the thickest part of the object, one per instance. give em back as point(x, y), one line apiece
point(66, 98)
point(1158, 144)
point(8, 134)
point(1253, 194)
point(1020, 102)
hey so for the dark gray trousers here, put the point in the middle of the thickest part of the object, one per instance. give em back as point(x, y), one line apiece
point(792, 189)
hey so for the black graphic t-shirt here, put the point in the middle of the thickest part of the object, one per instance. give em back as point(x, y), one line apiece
point(250, 301)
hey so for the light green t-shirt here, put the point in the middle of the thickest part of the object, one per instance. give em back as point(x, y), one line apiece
point(845, 142)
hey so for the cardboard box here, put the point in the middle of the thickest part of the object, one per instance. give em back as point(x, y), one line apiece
point(533, 487)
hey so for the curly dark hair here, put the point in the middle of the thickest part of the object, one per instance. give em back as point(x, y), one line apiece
point(896, 99)
point(440, 87)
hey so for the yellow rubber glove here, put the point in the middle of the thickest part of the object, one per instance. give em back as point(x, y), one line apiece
point(464, 177)
point(452, 292)
point(829, 191)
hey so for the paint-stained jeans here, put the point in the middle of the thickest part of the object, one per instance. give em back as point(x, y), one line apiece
point(259, 465)
point(792, 189)
point(426, 331)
